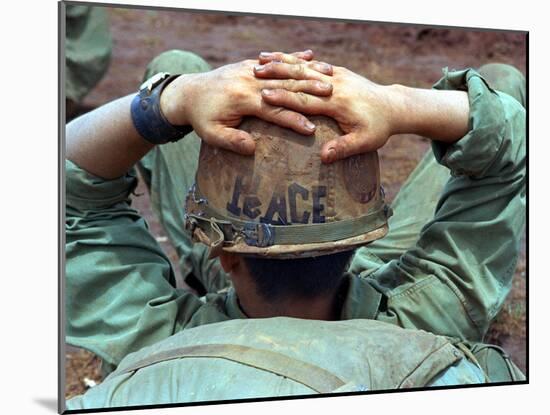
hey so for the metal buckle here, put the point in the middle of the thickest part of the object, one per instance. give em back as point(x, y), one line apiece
point(153, 81)
point(192, 204)
point(258, 234)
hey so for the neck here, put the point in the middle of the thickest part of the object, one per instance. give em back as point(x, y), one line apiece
point(319, 308)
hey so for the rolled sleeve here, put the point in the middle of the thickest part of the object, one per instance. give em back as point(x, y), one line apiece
point(477, 152)
point(86, 191)
point(455, 278)
point(119, 285)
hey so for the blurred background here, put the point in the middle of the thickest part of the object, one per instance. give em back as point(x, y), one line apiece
point(386, 53)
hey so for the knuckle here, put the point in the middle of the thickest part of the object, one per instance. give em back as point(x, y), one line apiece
point(296, 118)
point(238, 143)
point(278, 111)
point(233, 140)
point(289, 84)
point(270, 68)
point(235, 91)
point(293, 59)
point(300, 71)
point(302, 98)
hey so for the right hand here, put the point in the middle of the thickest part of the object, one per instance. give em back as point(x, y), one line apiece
point(214, 103)
point(363, 109)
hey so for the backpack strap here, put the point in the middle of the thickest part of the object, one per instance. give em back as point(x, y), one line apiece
point(312, 376)
point(473, 359)
point(495, 363)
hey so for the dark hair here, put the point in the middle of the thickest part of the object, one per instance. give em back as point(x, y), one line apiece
point(298, 278)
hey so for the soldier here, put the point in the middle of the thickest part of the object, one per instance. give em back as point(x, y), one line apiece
point(444, 267)
point(88, 47)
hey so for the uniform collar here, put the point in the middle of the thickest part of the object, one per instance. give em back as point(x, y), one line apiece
point(359, 300)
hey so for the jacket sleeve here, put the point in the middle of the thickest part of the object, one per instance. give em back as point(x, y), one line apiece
point(120, 290)
point(457, 276)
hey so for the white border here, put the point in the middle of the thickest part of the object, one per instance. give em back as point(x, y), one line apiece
point(29, 204)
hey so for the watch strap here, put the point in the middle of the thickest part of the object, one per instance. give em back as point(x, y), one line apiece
point(148, 118)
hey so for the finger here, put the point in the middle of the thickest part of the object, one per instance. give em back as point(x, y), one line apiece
point(312, 87)
point(281, 70)
point(345, 146)
point(321, 67)
point(306, 55)
point(295, 57)
point(266, 57)
point(231, 139)
point(286, 118)
point(297, 101)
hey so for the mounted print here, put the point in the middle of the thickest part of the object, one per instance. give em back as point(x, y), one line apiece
point(261, 206)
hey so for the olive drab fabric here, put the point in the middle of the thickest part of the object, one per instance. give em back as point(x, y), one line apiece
point(436, 270)
point(495, 363)
point(255, 358)
point(88, 47)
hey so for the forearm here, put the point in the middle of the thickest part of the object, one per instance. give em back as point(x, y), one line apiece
point(456, 277)
point(104, 142)
point(438, 115)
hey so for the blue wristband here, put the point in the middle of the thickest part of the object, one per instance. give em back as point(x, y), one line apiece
point(148, 118)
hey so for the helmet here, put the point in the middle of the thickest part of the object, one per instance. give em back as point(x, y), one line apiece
point(283, 202)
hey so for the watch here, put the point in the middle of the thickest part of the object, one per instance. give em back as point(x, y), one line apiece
point(147, 116)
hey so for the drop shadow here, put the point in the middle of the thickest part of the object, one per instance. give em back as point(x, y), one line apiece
point(48, 403)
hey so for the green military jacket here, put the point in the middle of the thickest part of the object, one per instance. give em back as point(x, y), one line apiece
point(120, 293)
point(280, 356)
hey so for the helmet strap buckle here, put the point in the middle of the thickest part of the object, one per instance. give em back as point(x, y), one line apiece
point(258, 234)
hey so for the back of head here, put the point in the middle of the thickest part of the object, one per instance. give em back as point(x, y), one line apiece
point(283, 202)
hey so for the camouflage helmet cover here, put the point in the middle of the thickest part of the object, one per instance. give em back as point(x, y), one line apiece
point(283, 202)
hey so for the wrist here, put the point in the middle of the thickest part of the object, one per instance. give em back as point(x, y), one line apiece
point(401, 111)
point(175, 100)
point(438, 115)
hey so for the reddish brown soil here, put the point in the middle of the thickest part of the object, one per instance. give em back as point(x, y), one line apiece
point(386, 53)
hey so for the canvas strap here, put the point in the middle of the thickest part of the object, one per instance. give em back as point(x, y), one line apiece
point(219, 228)
point(312, 376)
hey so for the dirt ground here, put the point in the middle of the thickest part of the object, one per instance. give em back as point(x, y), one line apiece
point(386, 53)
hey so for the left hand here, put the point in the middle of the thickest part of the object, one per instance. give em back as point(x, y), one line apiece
point(362, 108)
point(214, 103)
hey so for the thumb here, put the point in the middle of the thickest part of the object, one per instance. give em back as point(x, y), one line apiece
point(231, 139)
point(346, 146)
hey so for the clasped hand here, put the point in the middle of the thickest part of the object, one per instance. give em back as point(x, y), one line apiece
point(282, 89)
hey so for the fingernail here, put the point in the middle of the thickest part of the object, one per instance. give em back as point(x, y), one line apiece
point(265, 54)
point(323, 85)
point(331, 155)
point(309, 125)
point(267, 92)
point(326, 67)
point(259, 68)
point(308, 51)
